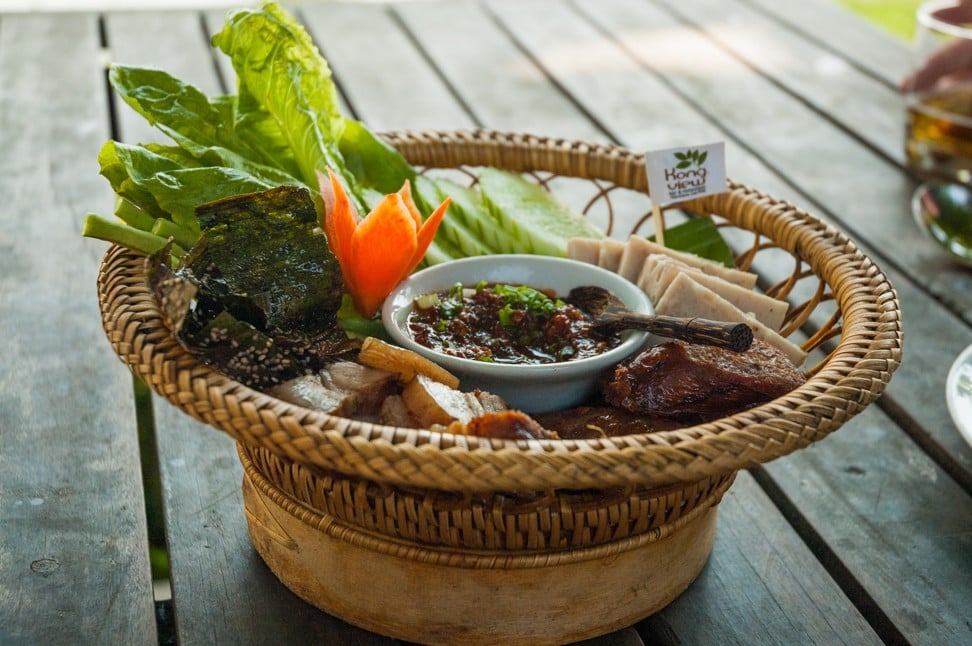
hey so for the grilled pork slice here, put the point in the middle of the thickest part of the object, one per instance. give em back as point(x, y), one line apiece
point(697, 383)
point(600, 420)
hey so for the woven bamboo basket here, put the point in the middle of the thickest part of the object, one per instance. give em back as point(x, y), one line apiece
point(545, 541)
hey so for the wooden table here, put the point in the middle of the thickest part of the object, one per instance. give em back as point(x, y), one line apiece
point(862, 538)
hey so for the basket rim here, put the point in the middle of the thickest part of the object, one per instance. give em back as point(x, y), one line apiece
point(854, 375)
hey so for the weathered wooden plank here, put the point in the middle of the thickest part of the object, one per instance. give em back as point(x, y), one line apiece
point(73, 548)
point(759, 565)
point(384, 76)
point(221, 588)
point(931, 382)
point(867, 107)
point(859, 42)
point(868, 194)
point(501, 86)
point(900, 525)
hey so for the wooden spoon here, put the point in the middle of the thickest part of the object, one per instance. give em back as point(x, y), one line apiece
point(610, 315)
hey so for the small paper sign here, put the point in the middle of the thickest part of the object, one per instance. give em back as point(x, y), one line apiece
point(677, 174)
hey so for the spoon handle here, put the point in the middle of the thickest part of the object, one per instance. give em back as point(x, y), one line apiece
point(733, 336)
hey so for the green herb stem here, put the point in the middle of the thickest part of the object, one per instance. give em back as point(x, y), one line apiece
point(168, 229)
point(133, 215)
point(117, 232)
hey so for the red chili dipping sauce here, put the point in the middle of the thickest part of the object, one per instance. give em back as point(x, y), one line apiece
point(505, 324)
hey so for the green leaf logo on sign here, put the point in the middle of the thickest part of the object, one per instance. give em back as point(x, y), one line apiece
point(691, 158)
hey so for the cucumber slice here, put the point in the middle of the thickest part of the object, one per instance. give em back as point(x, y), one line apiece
point(538, 222)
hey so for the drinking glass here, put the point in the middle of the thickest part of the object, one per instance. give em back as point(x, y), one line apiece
point(938, 137)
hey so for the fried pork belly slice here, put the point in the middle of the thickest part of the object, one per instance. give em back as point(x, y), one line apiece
point(432, 402)
point(343, 388)
point(367, 386)
point(502, 425)
point(394, 412)
point(309, 391)
point(697, 383)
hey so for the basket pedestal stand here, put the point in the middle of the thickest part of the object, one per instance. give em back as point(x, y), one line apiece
point(443, 595)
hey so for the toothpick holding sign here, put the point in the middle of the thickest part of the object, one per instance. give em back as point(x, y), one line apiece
point(684, 173)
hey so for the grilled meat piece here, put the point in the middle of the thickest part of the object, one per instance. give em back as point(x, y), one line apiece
point(696, 383)
point(504, 425)
point(597, 421)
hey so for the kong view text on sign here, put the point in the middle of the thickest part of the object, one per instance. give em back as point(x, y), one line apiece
point(677, 174)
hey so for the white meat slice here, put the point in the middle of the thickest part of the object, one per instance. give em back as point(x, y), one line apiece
point(744, 278)
point(687, 298)
point(584, 249)
point(769, 311)
point(369, 386)
point(610, 254)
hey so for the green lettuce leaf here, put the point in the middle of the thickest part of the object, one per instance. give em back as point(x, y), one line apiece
point(279, 67)
point(374, 163)
point(260, 131)
point(199, 126)
point(150, 178)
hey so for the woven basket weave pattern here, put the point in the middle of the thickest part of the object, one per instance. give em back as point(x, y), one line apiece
point(866, 318)
point(491, 521)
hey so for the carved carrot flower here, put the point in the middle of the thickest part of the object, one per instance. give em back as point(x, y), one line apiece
point(380, 250)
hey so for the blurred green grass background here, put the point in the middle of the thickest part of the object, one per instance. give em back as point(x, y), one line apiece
point(895, 16)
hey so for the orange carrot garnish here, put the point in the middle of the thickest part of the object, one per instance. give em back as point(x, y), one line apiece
point(380, 250)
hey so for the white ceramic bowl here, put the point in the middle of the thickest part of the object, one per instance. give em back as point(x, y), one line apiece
point(958, 393)
point(532, 388)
